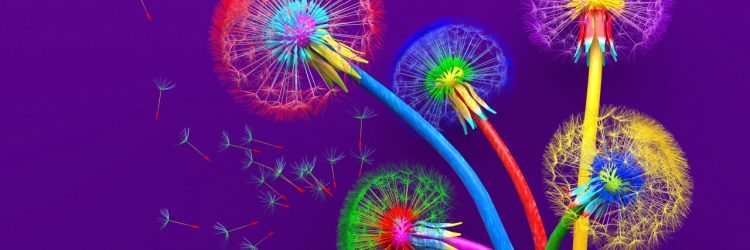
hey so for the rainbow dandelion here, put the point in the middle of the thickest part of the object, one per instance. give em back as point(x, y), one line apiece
point(448, 72)
point(638, 191)
point(283, 57)
point(446, 75)
point(332, 157)
point(619, 28)
point(185, 140)
point(399, 207)
point(162, 84)
point(165, 219)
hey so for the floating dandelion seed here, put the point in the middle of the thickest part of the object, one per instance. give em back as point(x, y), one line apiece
point(282, 57)
point(163, 85)
point(246, 244)
point(363, 155)
point(222, 230)
point(638, 191)
point(270, 201)
point(448, 73)
point(333, 156)
point(277, 170)
point(184, 140)
point(261, 180)
point(226, 142)
point(319, 186)
point(148, 16)
point(399, 207)
point(249, 138)
point(365, 113)
point(165, 219)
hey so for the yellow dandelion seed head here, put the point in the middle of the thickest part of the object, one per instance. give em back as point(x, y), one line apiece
point(660, 206)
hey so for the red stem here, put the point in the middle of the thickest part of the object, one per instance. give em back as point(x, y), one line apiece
point(519, 182)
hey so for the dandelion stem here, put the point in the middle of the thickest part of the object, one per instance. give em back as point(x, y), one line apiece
point(563, 227)
point(158, 105)
point(199, 152)
point(588, 135)
point(519, 182)
point(184, 224)
point(466, 174)
point(245, 148)
point(333, 176)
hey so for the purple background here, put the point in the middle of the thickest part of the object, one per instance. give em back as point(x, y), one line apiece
point(84, 165)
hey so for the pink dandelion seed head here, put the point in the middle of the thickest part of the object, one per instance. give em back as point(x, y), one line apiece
point(277, 57)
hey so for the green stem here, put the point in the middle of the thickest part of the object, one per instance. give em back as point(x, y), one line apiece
point(562, 228)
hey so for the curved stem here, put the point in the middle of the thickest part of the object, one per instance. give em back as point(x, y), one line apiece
point(468, 177)
point(519, 182)
point(588, 135)
point(562, 228)
point(464, 244)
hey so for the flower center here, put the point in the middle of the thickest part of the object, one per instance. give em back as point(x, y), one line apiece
point(300, 30)
point(612, 182)
point(614, 6)
point(449, 73)
point(396, 228)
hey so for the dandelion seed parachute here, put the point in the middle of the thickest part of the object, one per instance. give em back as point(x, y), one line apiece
point(397, 207)
point(639, 190)
point(333, 156)
point(280, 57)
point(622, 28)
point(162, 84)
point(446, 74)
point(165, 219)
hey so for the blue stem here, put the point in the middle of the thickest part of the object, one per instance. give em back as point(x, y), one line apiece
point(467, 175)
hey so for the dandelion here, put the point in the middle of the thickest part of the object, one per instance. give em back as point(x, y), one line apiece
point(638, 189)
point(399, 207)
point(446, 75)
